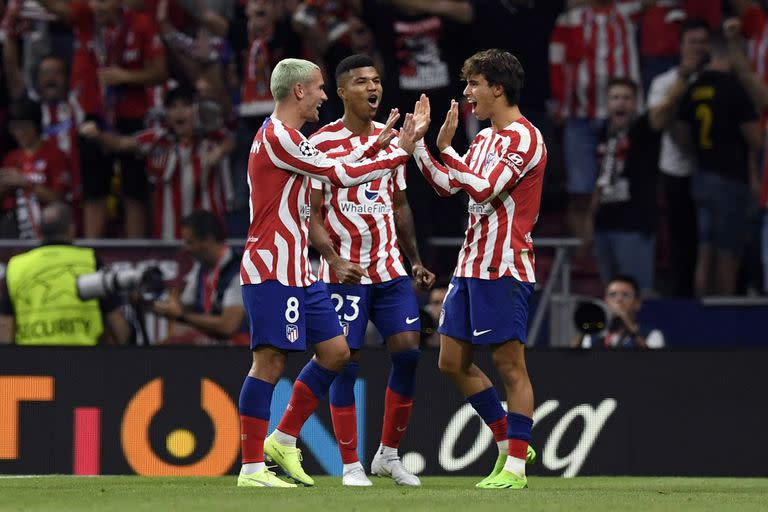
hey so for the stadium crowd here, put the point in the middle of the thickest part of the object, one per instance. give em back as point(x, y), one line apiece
point(139, 112)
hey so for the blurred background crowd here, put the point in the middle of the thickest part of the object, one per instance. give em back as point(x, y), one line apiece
point(140, 112)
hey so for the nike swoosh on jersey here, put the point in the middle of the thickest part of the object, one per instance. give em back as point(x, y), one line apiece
point(346, 442)
point(480, 333)
point(409, 320)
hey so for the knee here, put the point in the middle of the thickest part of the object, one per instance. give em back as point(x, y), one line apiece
point(335, 358)
point(268, 365)
point(449, 367)
point(512, 371)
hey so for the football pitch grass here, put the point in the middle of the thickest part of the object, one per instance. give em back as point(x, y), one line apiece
point(441, 494)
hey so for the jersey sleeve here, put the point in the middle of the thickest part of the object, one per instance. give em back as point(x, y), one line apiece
point(507, 172)
point(434, 172)
point(291, 151)
point(361, 152)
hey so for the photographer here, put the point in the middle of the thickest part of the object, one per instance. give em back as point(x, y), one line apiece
point(40, 303)
point(622, 298)
point(211, 301)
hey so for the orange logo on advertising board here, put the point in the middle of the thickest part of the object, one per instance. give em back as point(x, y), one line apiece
point(143, 407)
point(15, 389)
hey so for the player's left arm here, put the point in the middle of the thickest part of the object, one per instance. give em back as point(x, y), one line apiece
point(507, 172)
point(405, 229)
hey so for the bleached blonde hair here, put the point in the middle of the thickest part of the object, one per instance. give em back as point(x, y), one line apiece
point(288, 73)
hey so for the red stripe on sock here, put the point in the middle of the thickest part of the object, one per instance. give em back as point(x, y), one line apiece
point(397, 414)
point(253, 431)
point(345, 428)
point(499, 429)
point(518, 448)
point(303, 403)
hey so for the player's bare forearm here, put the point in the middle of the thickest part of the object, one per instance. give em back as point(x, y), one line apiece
point(405, 229)
point(318, 235)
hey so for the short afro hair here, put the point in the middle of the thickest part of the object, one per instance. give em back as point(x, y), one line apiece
point(359, 60)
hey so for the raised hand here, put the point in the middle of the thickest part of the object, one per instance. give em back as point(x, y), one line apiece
point(421, 116)
point(90, 130)
point(408, 134)
point(388, 132)
point(732, 29)
point(448, 130)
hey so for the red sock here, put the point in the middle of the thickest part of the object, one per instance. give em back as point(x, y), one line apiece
point(499, 428)
point(345, 428)
point(397, 413)
point(303, 403)
point(518, 448)
point(253, 431)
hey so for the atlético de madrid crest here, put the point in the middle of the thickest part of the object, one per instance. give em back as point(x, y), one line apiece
point(292, 332)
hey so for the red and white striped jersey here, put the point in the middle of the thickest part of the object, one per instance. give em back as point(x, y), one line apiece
point(256, 97)
point(754, 24)
point(755, 27)
point(184, 180)
point(61, 120)
point(589, 46)
point(360, 220)
point(502, 173)
point(280, 166)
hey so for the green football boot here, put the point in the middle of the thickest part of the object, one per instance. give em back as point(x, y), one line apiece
point(504, 480)
point(289, 459)
point(530, 458)
point(263, 478)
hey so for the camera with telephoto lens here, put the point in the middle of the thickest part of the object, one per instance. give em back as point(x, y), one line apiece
point(147, 283)
point(592, 316)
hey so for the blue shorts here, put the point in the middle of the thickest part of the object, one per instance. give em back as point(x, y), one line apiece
point(580, 148)
point(289, 317)
point(723, 209)
point(391, 306)
point(486, 312)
